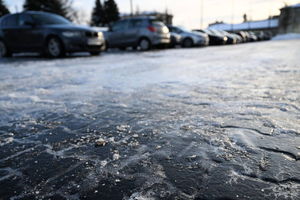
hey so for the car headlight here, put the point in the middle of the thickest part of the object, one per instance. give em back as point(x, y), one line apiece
point(100, 34)
point(72, 34)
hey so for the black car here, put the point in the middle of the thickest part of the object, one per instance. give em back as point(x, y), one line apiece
point(46, 33)
point(214, 39)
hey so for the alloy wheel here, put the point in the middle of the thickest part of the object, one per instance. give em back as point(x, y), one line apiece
point(144, 45)
point(54, 47)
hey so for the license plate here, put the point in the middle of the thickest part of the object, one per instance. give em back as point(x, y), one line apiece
point(94, 41)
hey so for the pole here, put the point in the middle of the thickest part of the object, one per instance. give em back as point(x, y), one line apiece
point(131, 8)
point(202, 10)
point(232, 14)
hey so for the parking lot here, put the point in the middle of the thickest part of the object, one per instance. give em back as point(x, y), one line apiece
point(201, 123)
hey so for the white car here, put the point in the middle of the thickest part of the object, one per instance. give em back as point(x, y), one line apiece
point(190, 38)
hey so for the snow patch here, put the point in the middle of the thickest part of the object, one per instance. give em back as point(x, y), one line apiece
point(289, 36)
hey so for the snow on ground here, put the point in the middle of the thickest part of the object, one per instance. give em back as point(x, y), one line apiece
point(261, 24)
point(201, 123)
point(289, 36)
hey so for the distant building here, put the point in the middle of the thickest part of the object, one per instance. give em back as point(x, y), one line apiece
point(164, 17)
point(261, 25)
point(289, 20)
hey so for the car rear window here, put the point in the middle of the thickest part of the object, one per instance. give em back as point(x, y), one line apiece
point(157, 23)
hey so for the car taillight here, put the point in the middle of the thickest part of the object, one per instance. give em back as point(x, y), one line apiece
point(151, 29)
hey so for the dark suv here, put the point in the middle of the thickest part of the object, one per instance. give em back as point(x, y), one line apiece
point(46, 33)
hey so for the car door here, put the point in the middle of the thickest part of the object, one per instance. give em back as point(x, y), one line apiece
point(131, 34)
point(116, 34)
point(32, 34)
point(10, 31)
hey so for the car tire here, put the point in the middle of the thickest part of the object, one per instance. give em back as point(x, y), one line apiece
point(95, 53)
point(4, 52)
point(187, 43)
point(144, 44)
point(54, 48)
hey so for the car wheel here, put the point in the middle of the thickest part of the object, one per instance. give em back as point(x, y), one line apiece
point(54, 48)
point(144, 44)
point(95, 53)
point(3, 50)
point(187, 43)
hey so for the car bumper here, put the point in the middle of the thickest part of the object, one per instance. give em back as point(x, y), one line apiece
point(161, 40)
point(202, 42)
point(83, 44)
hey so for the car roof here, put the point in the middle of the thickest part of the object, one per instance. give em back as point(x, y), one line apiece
point(37, 12)
point(141, 17)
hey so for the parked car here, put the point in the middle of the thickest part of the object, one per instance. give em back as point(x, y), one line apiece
point(138, 32)
point(252, 37)
point(263, 35)
point(231, 39)
point(46, 33)
point(175, 39)
point(238, 38)
point(243, 35)
point(214, 39)
point(190, 38)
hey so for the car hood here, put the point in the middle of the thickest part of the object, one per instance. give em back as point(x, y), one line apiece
point(193, 34)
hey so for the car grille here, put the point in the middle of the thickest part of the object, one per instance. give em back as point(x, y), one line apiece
point(91, 34)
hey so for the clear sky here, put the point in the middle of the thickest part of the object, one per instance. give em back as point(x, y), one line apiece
point(188, 12)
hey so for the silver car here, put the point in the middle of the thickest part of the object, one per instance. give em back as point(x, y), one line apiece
point(139, 32)
point(190, 38)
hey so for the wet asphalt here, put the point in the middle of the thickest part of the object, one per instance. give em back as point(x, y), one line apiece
point(215, 123)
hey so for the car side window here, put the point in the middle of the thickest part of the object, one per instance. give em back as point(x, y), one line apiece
point(177, 30)
point(174, 30)
point(25, 18)
point(10, 21)
point(135, 23)
point(119, 26)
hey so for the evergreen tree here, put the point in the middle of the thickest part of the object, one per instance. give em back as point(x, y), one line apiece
point(111, 11)
point(60, 7)
point(3, 9)
point(98, 15)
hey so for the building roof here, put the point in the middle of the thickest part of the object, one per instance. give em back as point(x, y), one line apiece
point(262, 24)
point(291, 6)
point(295, 6)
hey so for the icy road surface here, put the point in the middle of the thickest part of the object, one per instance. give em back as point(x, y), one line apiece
point(206, 123)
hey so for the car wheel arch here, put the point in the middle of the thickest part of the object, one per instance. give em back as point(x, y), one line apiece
point(48, 37)
point(188, 38)
point(144, 38)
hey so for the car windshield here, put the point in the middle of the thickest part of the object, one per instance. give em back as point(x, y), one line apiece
point(183, 29)
point(49, 19)
point(216, 32)
point(208, 31)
